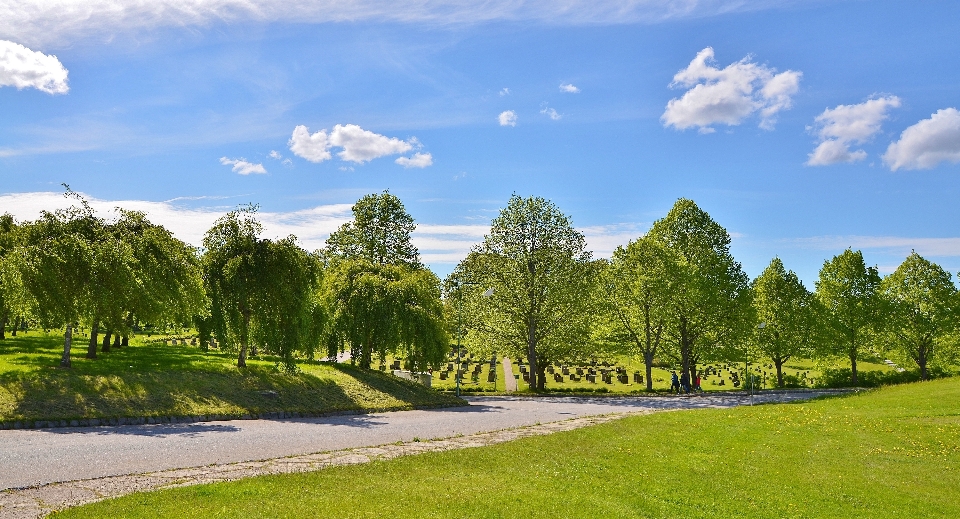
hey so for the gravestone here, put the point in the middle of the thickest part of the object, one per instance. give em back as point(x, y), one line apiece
point(565, 370)
point(623, 378)
point(443, 375)
point(550, 369)
point(492, 375)
point(557, 377)
point(591, 378)
point(510, 383)
point(396, 365)
point(579, 371)
point(637, 378)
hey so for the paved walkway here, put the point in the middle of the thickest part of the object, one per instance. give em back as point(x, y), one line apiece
point(45, 470)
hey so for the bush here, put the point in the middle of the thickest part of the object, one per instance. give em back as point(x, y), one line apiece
point(841, 377)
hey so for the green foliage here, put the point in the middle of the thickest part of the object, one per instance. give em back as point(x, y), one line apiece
point(711, 311)
point(850, 291)
point(542, 278)
point(922, 310)
point(379, 233)
point(638, 290)
point(789, 315)
point(382, 309)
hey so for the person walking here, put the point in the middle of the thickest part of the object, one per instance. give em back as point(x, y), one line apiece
point(685, 381)
point(674, 383)
point(696, 384)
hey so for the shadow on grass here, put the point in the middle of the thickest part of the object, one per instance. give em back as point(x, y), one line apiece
point(157, 380)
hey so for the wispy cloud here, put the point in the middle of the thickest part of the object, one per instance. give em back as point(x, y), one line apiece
point(551, 113)
point(900, 245)
point(242, 167)
point(62, 21)
point(569, 89)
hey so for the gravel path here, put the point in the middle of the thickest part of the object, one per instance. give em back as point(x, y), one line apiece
point(57, 468)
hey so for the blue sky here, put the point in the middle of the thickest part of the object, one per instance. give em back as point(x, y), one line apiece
point(176, 107)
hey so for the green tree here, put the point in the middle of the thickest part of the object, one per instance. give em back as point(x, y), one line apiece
point(386, 310)
point(541, 276)
point(711, 304)
point(850, 291)
point(788, 314)
point(923, 309)
point(233, 276)
point(637, 297)
point(8, 241)
point(379, 233)
point(286, 307)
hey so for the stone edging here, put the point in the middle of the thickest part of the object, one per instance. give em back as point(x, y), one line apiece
point(39, 501)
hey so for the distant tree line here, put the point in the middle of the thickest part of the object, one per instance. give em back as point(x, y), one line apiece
point(530, 289)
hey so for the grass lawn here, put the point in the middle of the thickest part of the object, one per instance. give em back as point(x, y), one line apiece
point(893, 452)
point(149, 378)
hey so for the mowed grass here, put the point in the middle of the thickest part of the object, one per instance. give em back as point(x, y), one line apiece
point(893, 452)
point(152, 379)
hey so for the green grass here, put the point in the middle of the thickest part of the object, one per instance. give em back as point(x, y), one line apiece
point(661, 377)
point(893, 452)
point(151, 379)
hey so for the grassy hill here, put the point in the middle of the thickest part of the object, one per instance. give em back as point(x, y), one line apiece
point(893, 452)
point(150, 379)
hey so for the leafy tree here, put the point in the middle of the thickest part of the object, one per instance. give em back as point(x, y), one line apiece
point(285, 304)
point(386, 309)
point(923, 307)
point(54, 267)
point(850, 291)
point(379, 233)
point(233, 276)
point(788, 313)
point(638, 291)
point(541, 276)
point(8, 240)
point(711, 303)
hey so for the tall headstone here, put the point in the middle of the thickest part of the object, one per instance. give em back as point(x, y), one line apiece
point(510, 383)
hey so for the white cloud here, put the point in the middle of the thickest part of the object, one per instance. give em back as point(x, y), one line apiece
point(927, 143)
point(66, 20)
point(849, 124)
point(551, 113)
point(242, 167)
point(274, 154)
point(313, 147)
point(361, 146)
point(22, 68)
point(418, 160)
point(504, 91)
point(507, 118)
point(728, 95)
point(568, 88)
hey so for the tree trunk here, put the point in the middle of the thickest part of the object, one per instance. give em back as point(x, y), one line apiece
point(778, 362)
point(685, 348)
point(532, 352)
point(94, 333)
point(541, 377)
point(648, 364)
point(124, 342)
point(116, 341)
point(3, 327)
point(106, 341)
point(67, 339)
point(853, 363)
point(92, 346)
point(16, 325)
point(922, 353)
point(242, 358)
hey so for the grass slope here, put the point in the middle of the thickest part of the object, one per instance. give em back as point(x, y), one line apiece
point(893, 452)
point(151, 379)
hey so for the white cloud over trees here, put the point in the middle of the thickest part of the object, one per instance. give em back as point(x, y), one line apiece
point(840, 127)
point(357, 145)
point(928, 143)
point(22, 68)
point(728, 95)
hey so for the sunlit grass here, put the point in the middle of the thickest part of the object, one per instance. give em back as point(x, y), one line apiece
point(893, 452)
